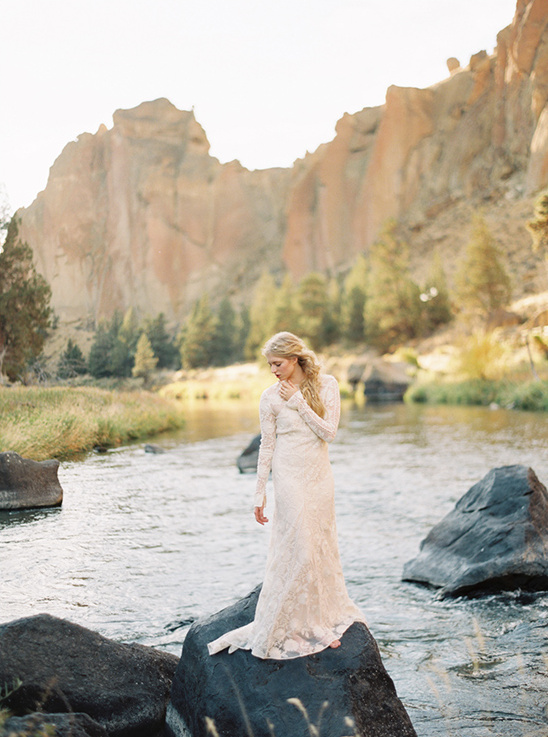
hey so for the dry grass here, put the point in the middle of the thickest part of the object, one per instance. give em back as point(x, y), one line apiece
point(60, 422)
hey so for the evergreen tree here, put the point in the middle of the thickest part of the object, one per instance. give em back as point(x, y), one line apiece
point(24, 305)
point(71, 362)
point(393, 308)
point(225, 335)
point(129, 331)
point(435, 297)
point(285, 315)
point(312, 300)
point(482, 284)
point(332, 320)
point(102, 347)
point(261, 315)
point(353, 302)
point(242, 330)
point(197, 335)
point(538, 227)
point(162, 343)
point(110, 355)
point(145, 360)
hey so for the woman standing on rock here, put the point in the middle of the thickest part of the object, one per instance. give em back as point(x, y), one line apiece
point(303, 606)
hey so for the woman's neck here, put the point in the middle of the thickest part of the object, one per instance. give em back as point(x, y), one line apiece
point(298, 376)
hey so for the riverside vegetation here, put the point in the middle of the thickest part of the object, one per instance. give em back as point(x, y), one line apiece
point(60, 422)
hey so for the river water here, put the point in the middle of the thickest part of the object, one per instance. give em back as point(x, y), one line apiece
point(146, 543)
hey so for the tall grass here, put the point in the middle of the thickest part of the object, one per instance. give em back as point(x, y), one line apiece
point(60, 422)
point(526, 395)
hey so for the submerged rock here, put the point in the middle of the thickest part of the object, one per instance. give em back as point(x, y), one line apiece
point(26, 484)
point(241, 694)
point(247, 460)
point(496, 538)
point(65, 668)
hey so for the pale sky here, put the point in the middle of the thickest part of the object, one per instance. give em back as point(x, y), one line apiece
point(268, 79)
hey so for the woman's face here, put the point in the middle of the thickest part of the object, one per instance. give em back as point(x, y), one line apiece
point(282, 368)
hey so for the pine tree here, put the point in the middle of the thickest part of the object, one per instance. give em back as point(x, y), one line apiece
point(435, 297)
point(353, 302)
point(24, 305)
point(145, 360)
point(538, 227)
point(162, 343)
point(285, 314)
point(312, 300)
point(225, 335)
point(332, 320)
point(261, 315)
point(393, 308)
point(482, 284)
point(71, 362)
point(129, 331)
point(197, 335)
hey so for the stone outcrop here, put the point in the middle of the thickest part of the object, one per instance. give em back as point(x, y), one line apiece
point(64, 669)
point(496, 538)
point(249, 457)
point(141, 215)
point(380, 380)
point(26, 484)
point(241, 694)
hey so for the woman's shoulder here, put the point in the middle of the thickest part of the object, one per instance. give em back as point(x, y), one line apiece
point(270, 392)
point(328, 380)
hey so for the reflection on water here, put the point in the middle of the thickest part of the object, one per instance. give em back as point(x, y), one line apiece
point(144, 544)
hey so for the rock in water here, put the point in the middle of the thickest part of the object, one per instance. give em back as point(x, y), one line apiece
point(25, 484)
point(66, 668)
point(244, 695)
point(248, 458)
point(496, 538)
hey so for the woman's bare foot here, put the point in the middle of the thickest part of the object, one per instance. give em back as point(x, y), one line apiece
point(335, 643)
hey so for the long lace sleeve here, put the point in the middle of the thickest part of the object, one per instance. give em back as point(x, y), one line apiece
point(324, 427)
point(266, 449)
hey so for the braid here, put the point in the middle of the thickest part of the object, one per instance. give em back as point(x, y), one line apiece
point(287, 345)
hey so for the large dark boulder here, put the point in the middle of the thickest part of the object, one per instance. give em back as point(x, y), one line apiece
point(67, 668)
point(496, 538)
point(244, 695)
point(248, 458)
point(25, 484)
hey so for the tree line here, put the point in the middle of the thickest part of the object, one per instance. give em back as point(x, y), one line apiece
point(377, 302)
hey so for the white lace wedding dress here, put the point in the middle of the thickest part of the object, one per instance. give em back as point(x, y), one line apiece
point(303, 606)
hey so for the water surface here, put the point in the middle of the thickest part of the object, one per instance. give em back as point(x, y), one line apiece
point(145, 544)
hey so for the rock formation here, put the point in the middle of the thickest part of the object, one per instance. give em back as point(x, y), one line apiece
point(26, 484)
point(241, 694)
point(495, 538)
point(56, 667)
point(141, 215)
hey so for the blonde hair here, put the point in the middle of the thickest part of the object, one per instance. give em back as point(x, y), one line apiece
point(287, 345)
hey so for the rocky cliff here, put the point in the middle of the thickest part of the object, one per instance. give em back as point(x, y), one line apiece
point(142, 215)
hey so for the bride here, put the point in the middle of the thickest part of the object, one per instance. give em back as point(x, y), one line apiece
point(303, 606)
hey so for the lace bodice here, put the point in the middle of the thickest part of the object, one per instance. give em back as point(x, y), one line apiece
point(275, 421)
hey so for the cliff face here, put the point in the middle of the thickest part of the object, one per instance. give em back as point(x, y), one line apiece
point(142, 215)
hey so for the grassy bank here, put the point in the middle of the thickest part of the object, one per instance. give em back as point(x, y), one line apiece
point(60, 422)
point(525, 395)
